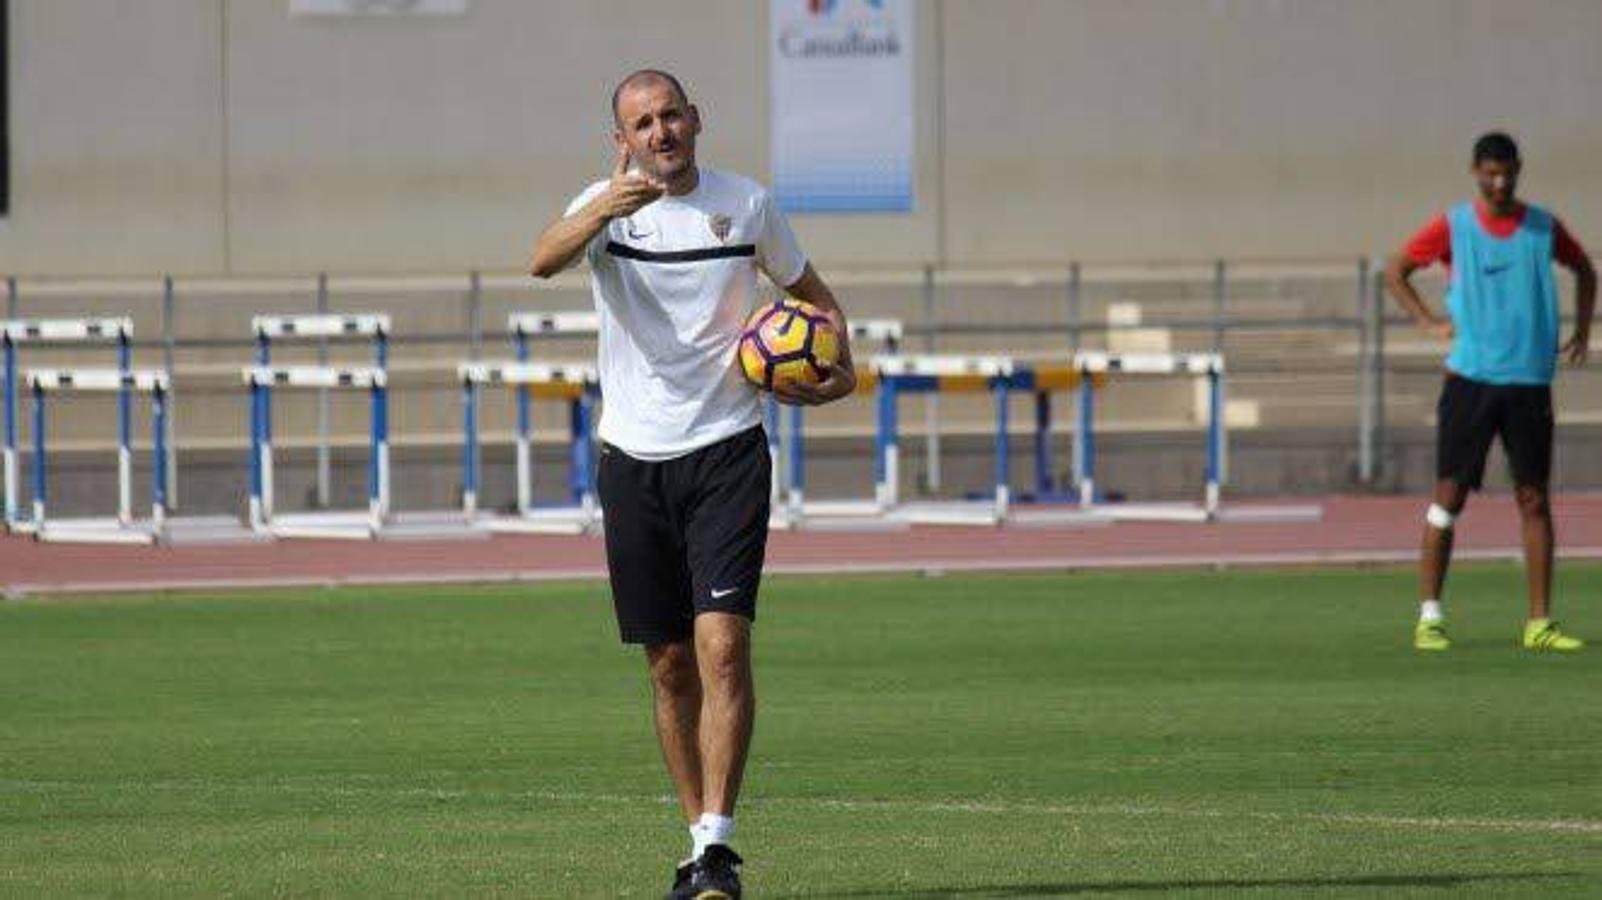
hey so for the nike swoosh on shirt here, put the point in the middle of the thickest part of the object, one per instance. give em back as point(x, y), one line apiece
point(1497, 270)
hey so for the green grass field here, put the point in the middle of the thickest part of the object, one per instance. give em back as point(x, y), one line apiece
point(1181, 734)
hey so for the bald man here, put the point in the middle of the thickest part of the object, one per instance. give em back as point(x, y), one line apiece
point(674, 253)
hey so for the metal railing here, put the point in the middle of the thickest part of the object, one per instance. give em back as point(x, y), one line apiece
point(1306, 341)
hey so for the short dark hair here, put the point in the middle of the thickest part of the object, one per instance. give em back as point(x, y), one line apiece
point(1495, 146)
point(640, 75)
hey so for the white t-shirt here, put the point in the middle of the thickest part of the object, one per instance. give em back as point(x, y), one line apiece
point(673, 284)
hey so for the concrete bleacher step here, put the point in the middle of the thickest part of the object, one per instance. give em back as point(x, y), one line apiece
point(1167, 399)
point(1331, 399)
point(1295, 345)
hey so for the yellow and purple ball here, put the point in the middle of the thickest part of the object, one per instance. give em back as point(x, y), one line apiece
point(786, 342)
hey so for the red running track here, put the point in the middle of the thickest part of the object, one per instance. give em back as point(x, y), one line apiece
point(1351, 530)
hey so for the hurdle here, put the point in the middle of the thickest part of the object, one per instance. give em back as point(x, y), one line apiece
point(356, 525)
point(897, 375)
point(576, 382)
point(523, 328)
point(121, 529)
point(955, 373)
point(580, 386)
point(799, 512)
point(1201, 365)
point(267, 329)
point(118, 331)
point(1047, 505)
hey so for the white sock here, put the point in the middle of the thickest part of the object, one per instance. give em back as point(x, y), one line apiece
point(710, 829)
point(1429, 611)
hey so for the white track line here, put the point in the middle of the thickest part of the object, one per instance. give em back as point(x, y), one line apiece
point(19, 590)
point(1451, 823)
point(973, 807)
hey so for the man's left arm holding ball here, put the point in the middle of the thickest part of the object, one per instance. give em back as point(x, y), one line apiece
point(779, 256)
point(838, 380)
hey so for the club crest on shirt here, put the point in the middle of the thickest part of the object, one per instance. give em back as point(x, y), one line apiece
point(721, 225)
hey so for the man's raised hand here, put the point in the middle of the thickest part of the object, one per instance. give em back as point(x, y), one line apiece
point(629, 191)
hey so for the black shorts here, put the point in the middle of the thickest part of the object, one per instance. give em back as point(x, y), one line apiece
point(1472, 413)
point(685, 536)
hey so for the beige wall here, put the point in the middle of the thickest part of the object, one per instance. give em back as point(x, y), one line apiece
point(223, 136)
point(422, 144)
point(1275, 128)
point(116, 137)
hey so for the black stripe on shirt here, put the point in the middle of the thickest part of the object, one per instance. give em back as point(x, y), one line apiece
point(680, 256)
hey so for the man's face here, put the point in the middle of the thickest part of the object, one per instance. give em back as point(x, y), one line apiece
point(658, 128)
point(1497, 180)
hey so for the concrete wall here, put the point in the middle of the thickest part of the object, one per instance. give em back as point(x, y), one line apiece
point(1274, 128)
point(117, 149)
point(223, 136)
point(425, 144)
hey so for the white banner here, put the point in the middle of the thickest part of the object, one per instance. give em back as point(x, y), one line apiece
point(377, 7)
point(842, 81)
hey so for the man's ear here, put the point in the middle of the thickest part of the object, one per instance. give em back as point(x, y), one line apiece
point(695, 118)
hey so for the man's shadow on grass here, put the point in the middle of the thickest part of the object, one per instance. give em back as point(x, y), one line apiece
point(1444, 880)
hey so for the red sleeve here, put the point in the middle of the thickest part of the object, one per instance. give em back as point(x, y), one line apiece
point(1432, 243)
point(1565, 249)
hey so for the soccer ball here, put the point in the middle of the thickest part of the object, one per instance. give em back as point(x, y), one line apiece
point(784, 343)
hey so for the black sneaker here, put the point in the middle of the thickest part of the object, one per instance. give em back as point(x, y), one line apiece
point(681, 881)
point(717, 875)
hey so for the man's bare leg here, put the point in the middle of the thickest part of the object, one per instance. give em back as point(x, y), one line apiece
point(1535, 517)
point(728, 706)
point(676, 688)
point(1435, 555)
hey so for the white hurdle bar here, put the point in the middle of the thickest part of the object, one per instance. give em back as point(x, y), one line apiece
point(1203, 365)
point(157, 384)
point(13, 332)
point(321, 325)
point(262, 379)
point(585, 381)
point(571, 322)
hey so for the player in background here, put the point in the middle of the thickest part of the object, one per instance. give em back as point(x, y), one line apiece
point(1503, 326)
point(674, 251)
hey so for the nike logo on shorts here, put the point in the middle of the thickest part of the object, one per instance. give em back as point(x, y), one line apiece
point(719, 595)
